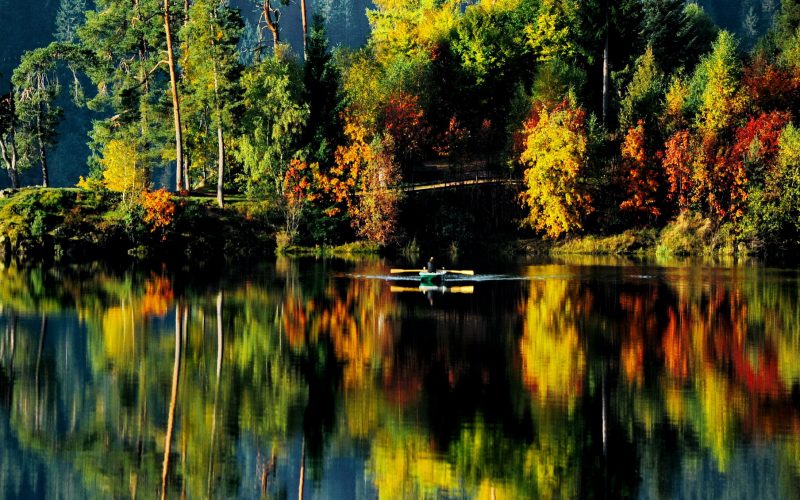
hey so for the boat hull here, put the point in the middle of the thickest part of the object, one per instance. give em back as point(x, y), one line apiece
point(426, 277)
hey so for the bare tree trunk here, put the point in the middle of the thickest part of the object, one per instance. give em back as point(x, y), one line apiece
point(176, 109)
point(272, 24)
point(606, 75)
point(42, 154)
point(220, 166)
point(187, 182)
point(173, 400)
point(305, 29)
point(220, 142)
point(9, 152)
point(39, 113)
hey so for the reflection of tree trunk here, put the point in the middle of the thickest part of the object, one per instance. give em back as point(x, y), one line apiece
point(140, 433)
point(216, 394)
point(220, 299)
point(176, 368)
point(302, 470)
point(603, 413)
point(9, 346)
point(266, 471)
point(39, 405)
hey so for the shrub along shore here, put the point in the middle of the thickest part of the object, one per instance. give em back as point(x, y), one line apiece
point(78, 225)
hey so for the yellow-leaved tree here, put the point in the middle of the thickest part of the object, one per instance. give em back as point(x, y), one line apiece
point(120, 172)
point(555, 161)
point(717, 76)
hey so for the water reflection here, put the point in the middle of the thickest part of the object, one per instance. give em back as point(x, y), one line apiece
point(573, 379)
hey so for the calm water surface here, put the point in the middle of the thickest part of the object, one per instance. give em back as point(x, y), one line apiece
point(584, 378)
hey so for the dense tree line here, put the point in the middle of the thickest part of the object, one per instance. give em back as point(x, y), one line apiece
point(614, 113)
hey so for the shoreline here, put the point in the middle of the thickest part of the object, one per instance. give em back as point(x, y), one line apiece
point(76, 225)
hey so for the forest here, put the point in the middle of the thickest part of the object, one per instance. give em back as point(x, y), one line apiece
point(594, 117)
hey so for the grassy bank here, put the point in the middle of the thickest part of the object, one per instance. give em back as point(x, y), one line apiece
point(71, 225)
point(687, 235)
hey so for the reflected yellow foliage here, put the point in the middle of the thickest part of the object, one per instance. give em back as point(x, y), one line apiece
point(553, 359)
point(717, 406)
point(403, 466)
point(119, 334)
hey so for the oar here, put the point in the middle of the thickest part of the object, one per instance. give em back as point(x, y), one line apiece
point(468, 272)
point(454, 289)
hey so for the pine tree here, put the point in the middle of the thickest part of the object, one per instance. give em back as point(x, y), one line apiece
point(36, 87)
point(211, 71)
point(70, 15)
point(676, 32)
point(323, 95)
point(131, 78)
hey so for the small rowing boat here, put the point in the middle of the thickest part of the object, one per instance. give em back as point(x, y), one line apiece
point(433, 277)
point(433, 288)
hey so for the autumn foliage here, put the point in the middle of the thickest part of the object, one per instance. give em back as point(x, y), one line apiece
point(159, 210)
point(677, 162)
point(362, 183)
point(641, 174)
point(404, 120)
point(555, 161)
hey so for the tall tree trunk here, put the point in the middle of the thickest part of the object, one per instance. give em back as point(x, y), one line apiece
point(9, 151)
point(220, 142)
point(173, 400)
point(272, 25)
point(305, 29)
point(176, 109)
point(220, 166)
point(606, 74)
point(42, 154)
point(186, 181)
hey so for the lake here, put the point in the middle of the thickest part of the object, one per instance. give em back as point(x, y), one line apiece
point(575, 377)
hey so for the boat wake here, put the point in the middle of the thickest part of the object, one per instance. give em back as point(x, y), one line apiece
point(451, 278)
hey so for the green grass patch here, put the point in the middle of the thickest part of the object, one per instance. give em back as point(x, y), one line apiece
point(629, 242)
point(347, 249)
point(689, 234)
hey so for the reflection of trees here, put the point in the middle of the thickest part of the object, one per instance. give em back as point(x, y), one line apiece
point(552, 355)
point(565, 386)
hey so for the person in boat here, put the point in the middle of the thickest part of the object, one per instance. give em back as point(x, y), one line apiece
point(430, 266)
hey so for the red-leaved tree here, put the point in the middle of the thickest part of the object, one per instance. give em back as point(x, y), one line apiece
point(640, 176)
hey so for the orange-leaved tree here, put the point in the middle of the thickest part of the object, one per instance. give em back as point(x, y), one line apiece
point(555, 161)
point(375, 208)
point(298, 184)
point(641, 176)
point(362, 183)
point(159, 210)
point(756, 147)
point(404, 120)
point(677, 163)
